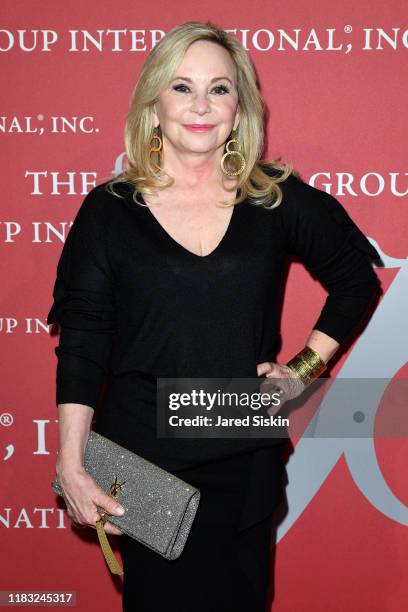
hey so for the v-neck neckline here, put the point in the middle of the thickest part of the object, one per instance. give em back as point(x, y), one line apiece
point(181, 247)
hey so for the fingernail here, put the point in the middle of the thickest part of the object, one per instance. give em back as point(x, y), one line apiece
point(120, 509)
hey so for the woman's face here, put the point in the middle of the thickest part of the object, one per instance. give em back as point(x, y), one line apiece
point(203, 91)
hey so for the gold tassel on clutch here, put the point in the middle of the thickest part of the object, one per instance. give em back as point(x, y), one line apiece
point(110, 558)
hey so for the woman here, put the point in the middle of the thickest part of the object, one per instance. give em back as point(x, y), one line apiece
point(174, 269)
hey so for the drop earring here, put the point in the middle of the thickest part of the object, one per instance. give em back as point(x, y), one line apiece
point(156, 146)
point(233, 152)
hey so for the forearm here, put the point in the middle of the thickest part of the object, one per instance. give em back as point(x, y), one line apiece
point(74, 423)
point(324, 345)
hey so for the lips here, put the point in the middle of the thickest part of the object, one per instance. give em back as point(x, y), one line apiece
point(199, 127)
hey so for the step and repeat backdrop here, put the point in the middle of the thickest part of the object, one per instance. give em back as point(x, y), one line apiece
point(333, 76)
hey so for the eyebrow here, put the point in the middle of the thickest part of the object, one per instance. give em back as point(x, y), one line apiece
point(212, 80)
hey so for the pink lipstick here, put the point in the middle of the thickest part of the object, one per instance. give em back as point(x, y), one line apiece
point(199, 127)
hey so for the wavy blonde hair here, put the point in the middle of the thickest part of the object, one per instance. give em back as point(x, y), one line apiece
point(259, 182)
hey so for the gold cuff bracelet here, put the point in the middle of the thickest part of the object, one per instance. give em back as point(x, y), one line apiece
point(307, 364)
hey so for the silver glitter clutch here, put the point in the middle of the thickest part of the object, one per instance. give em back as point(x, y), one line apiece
point(159, 507)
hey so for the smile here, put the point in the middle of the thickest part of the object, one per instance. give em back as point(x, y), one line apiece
point(194, 127)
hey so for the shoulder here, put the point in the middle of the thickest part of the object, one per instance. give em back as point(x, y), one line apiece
point(296, 190)
point(99, 204)
point(103, 195)
point(303, 200)
point(298, 197)
point(311, 212)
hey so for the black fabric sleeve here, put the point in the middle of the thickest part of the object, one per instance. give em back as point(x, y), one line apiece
point(332, 247)
point(84, 306)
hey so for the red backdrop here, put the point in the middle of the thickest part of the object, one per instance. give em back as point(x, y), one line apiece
point(337, 103)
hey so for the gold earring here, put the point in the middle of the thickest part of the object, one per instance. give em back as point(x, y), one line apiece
point(156, 148)
point(233, 152)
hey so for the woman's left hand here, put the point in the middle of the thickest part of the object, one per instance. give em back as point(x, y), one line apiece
point(287, 380)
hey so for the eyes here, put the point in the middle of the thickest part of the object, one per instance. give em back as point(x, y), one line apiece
point(221, 88)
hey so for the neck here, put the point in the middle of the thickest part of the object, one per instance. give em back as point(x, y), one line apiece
point(191, 170)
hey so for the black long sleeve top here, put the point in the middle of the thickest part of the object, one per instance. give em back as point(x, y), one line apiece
point(133, 304)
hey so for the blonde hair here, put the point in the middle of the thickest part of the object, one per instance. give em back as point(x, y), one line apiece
point(260, 179)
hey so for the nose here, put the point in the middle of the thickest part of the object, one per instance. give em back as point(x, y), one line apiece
point(201, 104)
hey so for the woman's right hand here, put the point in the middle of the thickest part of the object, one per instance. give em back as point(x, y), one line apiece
point(82, 495)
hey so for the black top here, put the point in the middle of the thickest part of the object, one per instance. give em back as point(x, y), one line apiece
point(134, 304)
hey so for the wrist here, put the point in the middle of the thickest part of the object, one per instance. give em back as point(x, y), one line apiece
point(307, 365)
point(69, 463)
